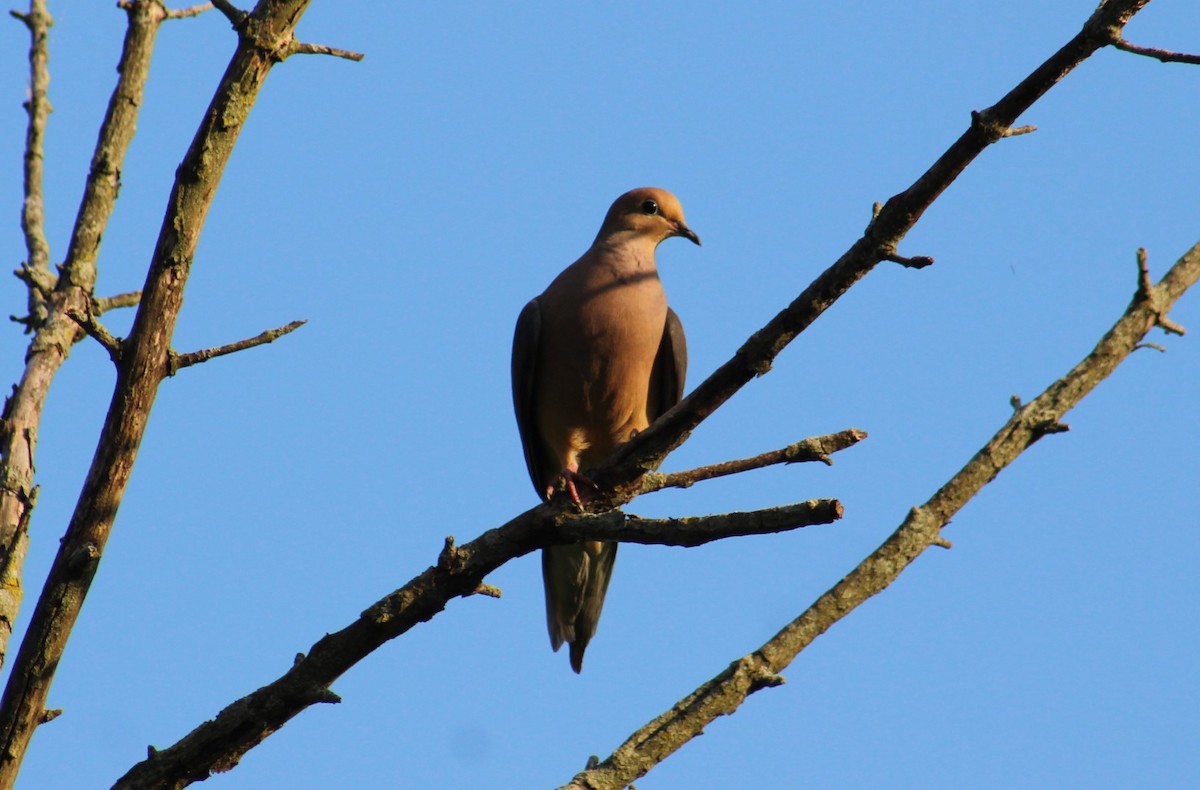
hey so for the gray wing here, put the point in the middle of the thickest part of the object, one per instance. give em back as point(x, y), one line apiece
point(670, 368)
point(539, 460)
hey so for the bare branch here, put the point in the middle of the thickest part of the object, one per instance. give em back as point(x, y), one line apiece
point(99, 333)
point(1017, 131)
point(180, 13)
point(70, 291)
point(881, 239)
point(33, 218)
point(40, 280)
point(234, 14)
point(1164, 55)
point(219, 744)
point(488, 590)
point(459, 571)
point(176, 362)
point(816, 448)
point(191, 11)
point(144, 360)
point(103, 304)
point(915, 262)
point(921, 529)
point(301, 48)
point(696, 530)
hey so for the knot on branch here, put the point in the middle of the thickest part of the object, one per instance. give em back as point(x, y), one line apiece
point(1047, 426)
point(39, 280)
point(451, 557)
point(915, 262)
point(887, 252)
point(84, 557)
point(320, 694)
point(764, 678)
point(992, 130)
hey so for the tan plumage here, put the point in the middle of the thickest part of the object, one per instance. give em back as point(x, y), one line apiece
point(596, 358)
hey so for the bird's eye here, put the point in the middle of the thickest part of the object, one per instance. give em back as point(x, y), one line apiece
point(649, 207)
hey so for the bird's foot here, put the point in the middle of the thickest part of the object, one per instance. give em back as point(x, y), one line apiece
point(571, 479)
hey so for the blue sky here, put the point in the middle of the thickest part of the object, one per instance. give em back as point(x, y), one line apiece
point(409, 205)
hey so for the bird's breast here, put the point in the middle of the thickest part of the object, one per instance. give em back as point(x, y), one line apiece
point(602, 346)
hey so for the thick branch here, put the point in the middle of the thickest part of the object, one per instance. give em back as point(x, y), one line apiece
point(143, 362)
point(921, 529)
point(816, 448)
point(176, 362)
point(71, 292)
point(880, 241)
point(219, 744)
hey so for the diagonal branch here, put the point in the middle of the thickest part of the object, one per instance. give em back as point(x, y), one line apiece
point(98, 332)
point(103, 304)
point(816, 448)
point(921, 529)
point(55, 332)
point(144, 359)
point(177, 362)
point(882, 237)
point(220, 743)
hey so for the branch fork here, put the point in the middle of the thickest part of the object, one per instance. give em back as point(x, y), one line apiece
point(1145, 295)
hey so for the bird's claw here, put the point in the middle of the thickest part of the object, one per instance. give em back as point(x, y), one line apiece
point(570, 478)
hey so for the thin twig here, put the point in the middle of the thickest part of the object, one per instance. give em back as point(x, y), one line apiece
point(1164, 55)
point(177, 362)
point(301, 48)
point(168, 13)
point(816, 448)
point(103, 304)
point(915, 262)
point(99, 333)
point(185, 13)
point(724, 694)
point(488, 591)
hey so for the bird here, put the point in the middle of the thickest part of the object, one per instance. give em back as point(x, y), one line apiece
point(596, 358)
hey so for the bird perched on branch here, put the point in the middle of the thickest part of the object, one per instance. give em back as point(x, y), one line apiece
point(597, 357)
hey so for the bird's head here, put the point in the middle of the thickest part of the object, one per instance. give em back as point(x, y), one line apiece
point(647, 213)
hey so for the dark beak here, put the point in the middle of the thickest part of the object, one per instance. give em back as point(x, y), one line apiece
point(687, 233)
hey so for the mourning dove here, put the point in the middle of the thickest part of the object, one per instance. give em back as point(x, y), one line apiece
point(596, 358)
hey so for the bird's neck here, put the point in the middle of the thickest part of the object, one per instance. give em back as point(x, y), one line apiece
point(629, 251)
